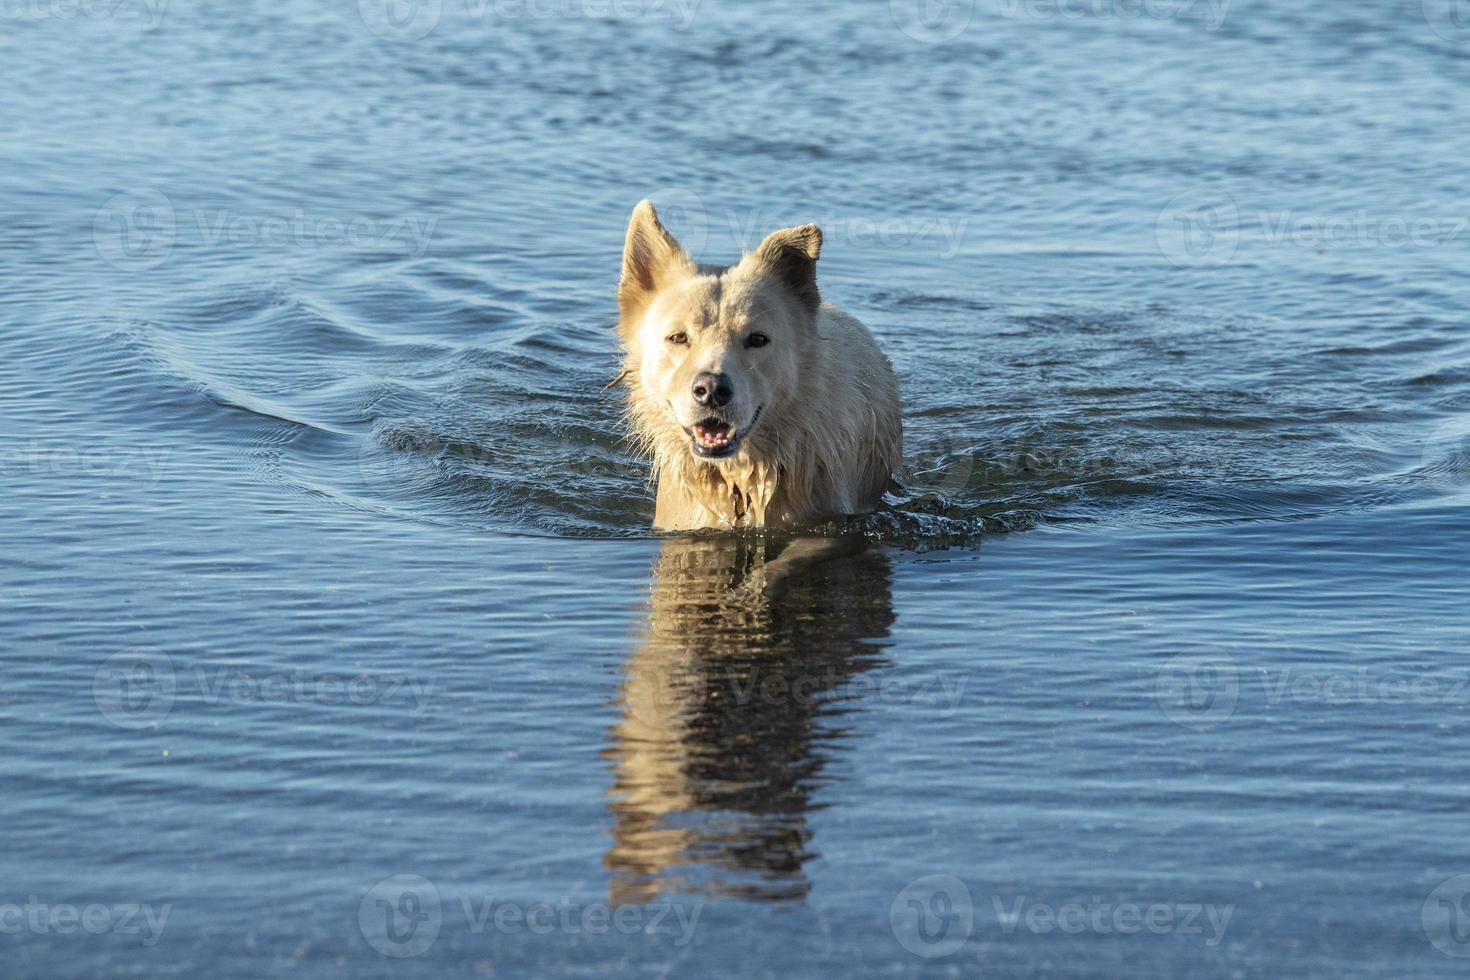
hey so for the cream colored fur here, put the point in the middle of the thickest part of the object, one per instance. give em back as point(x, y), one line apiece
point(816, 408)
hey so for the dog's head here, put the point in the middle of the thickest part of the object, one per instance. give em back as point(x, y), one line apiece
point(717, 352)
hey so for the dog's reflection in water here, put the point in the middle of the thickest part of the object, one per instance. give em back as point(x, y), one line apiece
point(732, 702)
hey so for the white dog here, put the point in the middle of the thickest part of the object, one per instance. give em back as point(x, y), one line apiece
point(760, 404)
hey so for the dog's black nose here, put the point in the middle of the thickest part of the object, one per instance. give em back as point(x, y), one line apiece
point(712, 389)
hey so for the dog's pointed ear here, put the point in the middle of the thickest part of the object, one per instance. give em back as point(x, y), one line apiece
point(651, 259)
point(791, 256)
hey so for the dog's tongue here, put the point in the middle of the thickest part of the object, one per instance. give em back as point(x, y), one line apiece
point(712, 435)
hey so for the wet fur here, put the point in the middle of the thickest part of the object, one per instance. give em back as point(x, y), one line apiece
point(828, 434)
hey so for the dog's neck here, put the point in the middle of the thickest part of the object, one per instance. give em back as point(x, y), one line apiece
point(735, 494)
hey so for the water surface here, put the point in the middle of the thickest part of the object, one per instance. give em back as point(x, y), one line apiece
point(338, 644)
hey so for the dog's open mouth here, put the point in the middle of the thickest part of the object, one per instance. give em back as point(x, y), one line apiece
point(715, 439)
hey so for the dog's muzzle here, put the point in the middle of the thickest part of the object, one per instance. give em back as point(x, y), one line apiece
point(714, 438)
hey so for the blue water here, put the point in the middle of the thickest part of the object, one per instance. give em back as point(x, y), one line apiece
point(335, 640)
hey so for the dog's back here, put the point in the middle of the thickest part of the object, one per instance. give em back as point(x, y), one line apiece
point(851, 421)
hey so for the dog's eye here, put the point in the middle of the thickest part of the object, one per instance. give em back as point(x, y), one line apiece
point(757, 340)
point(681, 338)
